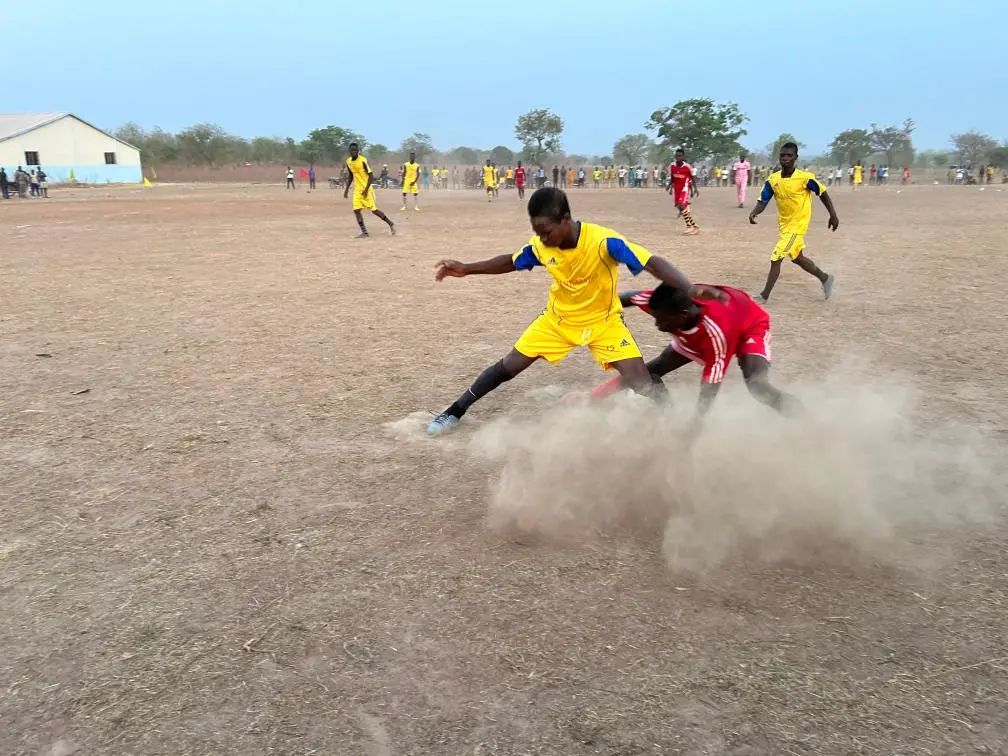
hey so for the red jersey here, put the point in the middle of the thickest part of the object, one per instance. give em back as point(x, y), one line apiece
point(681, 176)
point(519, 176)
point(738, 326)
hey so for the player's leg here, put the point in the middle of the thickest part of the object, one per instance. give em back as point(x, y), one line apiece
point(385, 218)
point(772, 275)
point(809, 266)
point(500, 372)
point(756, 371)
point(687, 216)
point(360, 222)
point(403, 201)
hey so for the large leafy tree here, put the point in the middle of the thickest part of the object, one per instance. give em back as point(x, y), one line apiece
point(206, 143)
point(501, 155)
point(700, 126)
point(330, 144)
point(539, 131)
point(973, 146)
point(419, 143)
point(850, 146)
point(999, 156)
point(464, 156)
point(633, 149)
point(894, 141)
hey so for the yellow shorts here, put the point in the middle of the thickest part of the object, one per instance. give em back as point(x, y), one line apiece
point(363, 201)
point(491, 187)
point(609, 341)
point(411, 189)
point(789, 245)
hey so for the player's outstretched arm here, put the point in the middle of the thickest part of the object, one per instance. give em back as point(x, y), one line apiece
point(455, 269)
point(762, 202)
point(827, 201)
point(626, 298)
point(665, 271)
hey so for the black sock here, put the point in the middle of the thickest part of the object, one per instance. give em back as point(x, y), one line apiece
point(487, 381)
point(363, 228)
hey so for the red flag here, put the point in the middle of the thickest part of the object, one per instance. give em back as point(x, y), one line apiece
point(304, 173)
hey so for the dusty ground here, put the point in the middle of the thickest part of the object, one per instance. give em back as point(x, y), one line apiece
point(221, 546)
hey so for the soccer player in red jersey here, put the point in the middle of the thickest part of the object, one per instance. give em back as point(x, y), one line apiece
point(682, 186)
point(520, 180)
point(709, 333)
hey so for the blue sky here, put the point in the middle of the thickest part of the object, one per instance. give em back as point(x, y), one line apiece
point(462, 71)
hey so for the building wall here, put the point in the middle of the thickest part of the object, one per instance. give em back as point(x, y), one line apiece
point(69, 144)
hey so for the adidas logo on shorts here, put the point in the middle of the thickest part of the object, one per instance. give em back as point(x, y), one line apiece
point(551, 261)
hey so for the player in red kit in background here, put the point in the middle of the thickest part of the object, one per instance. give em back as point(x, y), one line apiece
point(520, 180)
point(682, 187)
point(709, 333)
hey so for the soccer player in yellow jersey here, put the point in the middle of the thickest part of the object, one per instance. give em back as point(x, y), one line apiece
point(411, 181)
point(584, 307)
point(364, 194)
point(858, 175)
point(793, 190)
point(489, 174)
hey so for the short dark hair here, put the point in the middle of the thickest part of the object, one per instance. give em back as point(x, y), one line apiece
point(354, 144)
point(549, 202)
point(680, 149)
point(792, 145)
point(669, 299)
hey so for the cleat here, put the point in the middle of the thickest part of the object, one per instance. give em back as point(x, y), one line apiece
point(692, 231)
point(827, 286)
point(416, 209)
point(402, 209)
point(442, 424)
point(362, 235)
point(759, 298)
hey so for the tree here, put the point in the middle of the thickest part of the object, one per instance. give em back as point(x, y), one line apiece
point(850, 146)
point(464, 156)
point(378, 151)
point(700, 126)
point(539, 131)
point(774, 147)
point(999, 156)
point(132, 133)
point(973, 147)
point(501, 155)
point(894, 141)
point(267, 150)
point(632, 148)
point(331, 144)
point(205, 143)
point(419, 143)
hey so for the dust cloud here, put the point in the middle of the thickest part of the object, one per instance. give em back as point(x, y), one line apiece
point(861, 476)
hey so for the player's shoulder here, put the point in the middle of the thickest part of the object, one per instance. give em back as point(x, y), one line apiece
point(593, 233)
point(774, 176)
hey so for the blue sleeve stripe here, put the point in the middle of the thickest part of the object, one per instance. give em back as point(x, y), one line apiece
point(621, 252)
point(526, 259)
point(813, 186)
point(767, 194)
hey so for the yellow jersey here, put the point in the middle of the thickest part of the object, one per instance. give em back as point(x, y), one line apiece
point(435, 173)
point(858, 174)
point(794, 199)
point(488, 175)
point(360, 170)
point(412, 173)
point(584, 291)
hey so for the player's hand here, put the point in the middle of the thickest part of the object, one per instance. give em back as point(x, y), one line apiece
point(708, 293)
point(833, 223)
point(346, 191)
point(449, 269)
point(752, 218)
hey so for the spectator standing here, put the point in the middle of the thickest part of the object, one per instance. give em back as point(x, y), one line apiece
point(290, 177)
point(4, 183)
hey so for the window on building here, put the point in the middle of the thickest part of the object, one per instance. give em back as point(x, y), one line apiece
point(31, 158)
point(110, 158)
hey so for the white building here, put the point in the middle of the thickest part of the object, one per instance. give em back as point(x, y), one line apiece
point(67, 149)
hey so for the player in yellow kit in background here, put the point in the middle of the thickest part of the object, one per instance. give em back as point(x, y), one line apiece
point(489, 183)
point(411, 181)
point(360, 173)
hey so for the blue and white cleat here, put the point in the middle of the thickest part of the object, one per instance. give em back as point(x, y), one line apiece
point(442, 424)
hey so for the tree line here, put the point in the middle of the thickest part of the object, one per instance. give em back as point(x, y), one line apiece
point(705, 129)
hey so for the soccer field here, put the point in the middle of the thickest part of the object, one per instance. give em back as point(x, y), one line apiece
point(225, 530)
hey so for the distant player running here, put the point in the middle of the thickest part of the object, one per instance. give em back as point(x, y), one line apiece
point(489, 175)
point(583, 309)
point(364, 194)
point(710, 334)
point(682, 187)
point(411, 182)
point(793, 190)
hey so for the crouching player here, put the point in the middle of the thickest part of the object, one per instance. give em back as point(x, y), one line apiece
point(709, 333)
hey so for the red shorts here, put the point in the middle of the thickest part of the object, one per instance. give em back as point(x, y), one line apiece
point(681, 198)
point(755, 338)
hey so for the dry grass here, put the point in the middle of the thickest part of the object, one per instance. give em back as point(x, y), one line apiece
point(233, 543)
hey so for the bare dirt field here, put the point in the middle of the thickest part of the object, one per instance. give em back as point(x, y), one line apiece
point(224, 530)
